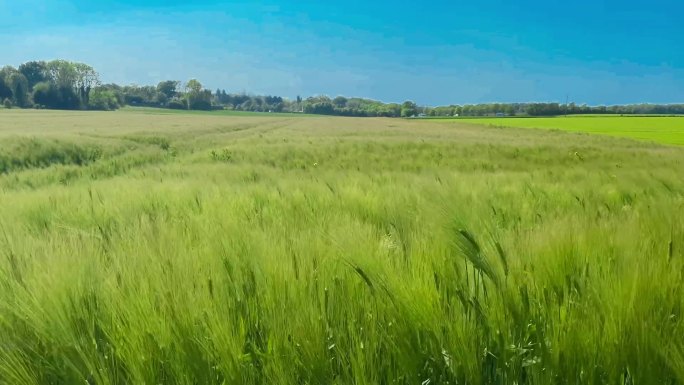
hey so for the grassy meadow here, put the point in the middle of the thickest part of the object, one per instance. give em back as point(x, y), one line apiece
point(659, 129)
point(149, 248)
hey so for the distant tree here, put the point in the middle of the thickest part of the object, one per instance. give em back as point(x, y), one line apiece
point(51, 95)
point(222, 97)
point(45, 94)
point(340, 102)
point(5, 90)
point(197, 97)
point(19, 87)
point(161, 99)
point(319, 105)
point(168, 88)
point(6, 71)
point(546, 109)
point(178, 104)
point(14, 86)
point(142, 96)
point(393, 110)
point(78, 77)
point(69, 99)
point(35, 72)
point(62, 73)
point(408, 109)
point(98, 101)
point(104, 99)
point(7, 103)
point(193, 85)
point(117, 91)
point(86, 79)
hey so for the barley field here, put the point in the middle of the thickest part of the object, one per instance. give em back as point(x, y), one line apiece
point(139, 247)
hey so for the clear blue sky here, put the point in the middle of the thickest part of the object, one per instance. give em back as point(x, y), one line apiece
point(439, 52)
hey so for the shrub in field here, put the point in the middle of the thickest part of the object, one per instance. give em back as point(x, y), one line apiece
point(178, 104)
point(7, 103)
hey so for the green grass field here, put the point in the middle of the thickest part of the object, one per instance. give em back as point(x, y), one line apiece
point(154, 248)
point(660, 129)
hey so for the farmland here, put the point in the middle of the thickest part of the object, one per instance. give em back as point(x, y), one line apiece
point(140, 247)
point(660, 129)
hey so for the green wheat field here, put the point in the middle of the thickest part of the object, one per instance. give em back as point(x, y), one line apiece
point(660, 129)
point(139, 247)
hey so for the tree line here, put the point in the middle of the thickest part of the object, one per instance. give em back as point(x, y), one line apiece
point(61, 84)
point(57, 84)
point(552, 109)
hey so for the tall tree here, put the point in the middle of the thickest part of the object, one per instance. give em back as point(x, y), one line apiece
point(340, 102)
point(5, 90)
point(62, 73)
point(168, 88)
point(408, 109)
point(198, 98)
point(35, 72)
point(86, 79)
point(20, 88)
point(193, 86)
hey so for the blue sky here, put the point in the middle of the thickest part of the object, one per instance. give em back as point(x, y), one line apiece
point(440, 52)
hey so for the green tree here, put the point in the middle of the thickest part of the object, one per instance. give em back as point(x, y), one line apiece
point(86, 79)
point(18, 84)
point(62, 73)
point(35, 72)
point(193, 85)
point(161, 99)
point(78, 77)
point(5, 90)
point(51, 95)
point(168, 88)
point(6, 71)
point(340, 102)
point(178, 104)
point(408, 109)
point(197, 97)
point(394, 110)
point(102, 98)
point(45, 94)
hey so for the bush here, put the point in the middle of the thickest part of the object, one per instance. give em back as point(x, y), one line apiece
point(177, 104)
point(102, 99)
point(7, 103)
point(204, 105)
point(44, 94)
